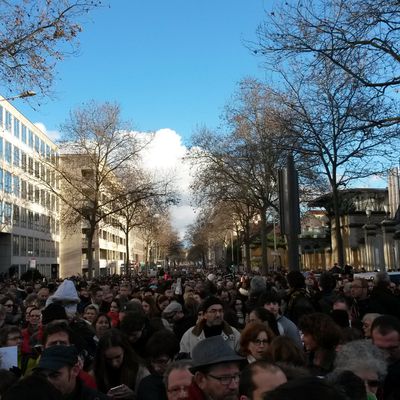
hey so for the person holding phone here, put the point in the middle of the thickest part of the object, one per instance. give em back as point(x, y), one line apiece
point(118, 370)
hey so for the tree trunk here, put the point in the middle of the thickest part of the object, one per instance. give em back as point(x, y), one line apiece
point(90, 235)
point(127, 266)
point(247, 246)
point(264, 250)
point(338, 231)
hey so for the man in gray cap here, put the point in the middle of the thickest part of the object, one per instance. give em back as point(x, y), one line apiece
point(60, 366)
point(212, 324)
point(216, 369)
point(177, 320)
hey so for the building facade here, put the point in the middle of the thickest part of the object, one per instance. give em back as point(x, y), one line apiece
point(29, 213)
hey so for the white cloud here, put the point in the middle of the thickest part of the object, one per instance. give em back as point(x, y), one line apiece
point(52, 135)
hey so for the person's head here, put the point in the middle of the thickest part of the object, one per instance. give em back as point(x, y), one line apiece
point(60, 365)
point(349, 383)
point(270, 301)
point(309, 388)
point(177, 379)
point(125, 290)
point(8, 303)
point(101, 324)
point(262, 315)
point(10, 336)
point(115, 306)
point(114, 359)
point(32, 387)
point(2, 315)
point(133, 325)
point(216, 368)
point(385, 334)
point(162, 302)
point(90, 313)
point(224, 295)
point(34, 316)
point(7, 379)
point(367, 321)
point(43, 294)
point(161, 349)
point(258, 378)
point(296, 280)
point(327, 282)
point(96, 295)
point(57, 333)
point(134, 305)
point(359, 288)
point(341, 303)
point(173, 312)
point(363, 359)
point(149, 306)
point(213, 311)
point(53, 312)
point(255, 339)
point(284, 350)
point(319, 332)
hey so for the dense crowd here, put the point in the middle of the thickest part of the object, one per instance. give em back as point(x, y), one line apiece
point(202, 336)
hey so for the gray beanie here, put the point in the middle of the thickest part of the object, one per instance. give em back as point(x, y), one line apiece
point(257, 285)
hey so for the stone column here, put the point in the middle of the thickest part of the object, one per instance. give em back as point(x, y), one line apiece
point(388, 229)
point(370, 233)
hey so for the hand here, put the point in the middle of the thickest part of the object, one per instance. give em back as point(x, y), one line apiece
point(123, 392)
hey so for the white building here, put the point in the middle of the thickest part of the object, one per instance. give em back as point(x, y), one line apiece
point(29, 213)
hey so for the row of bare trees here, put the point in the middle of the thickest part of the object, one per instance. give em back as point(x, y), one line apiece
point(331, 103)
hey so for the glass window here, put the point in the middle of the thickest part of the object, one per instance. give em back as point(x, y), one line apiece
point(1, 179)
point(37, 195)
point(36, 251)
point(42, 198)
point(15, 245)
point(8, 182)
point(16, 215)
point(42, 248)
point(30, 219)
point(8, 121)
point(23, 161)
point(37, 169)
point(30, 139)
point(16, 186)
point(30, 246)
point(47, 151)
point(30, 165)
point(42, 148)
point(16, 156)
point(8, 153)
point(7, 213)
point(16, 127)
point(23, 133)
point(1, 116)
point(1, 148)
point(23, 189)
point(30, 192)
point(22, 245)
point(23, 217)
point(37, 143)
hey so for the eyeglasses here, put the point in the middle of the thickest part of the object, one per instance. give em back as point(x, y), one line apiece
point(259, 342)
point(9, 305)
point(226, 380)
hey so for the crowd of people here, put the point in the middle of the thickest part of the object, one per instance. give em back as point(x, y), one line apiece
point(202, 336)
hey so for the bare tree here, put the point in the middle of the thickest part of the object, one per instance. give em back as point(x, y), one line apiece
point(34, 36)
point(97, 149)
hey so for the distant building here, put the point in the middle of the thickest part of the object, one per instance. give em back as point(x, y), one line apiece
point(29, 213)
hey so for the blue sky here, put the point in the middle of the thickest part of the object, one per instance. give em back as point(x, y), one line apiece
point(169, 63)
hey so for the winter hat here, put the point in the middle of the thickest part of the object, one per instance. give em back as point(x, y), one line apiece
point(172, 308)
point(210, 301)
point(53, 312)
point(211, 277)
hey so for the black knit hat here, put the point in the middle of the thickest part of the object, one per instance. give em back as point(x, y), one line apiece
point(53, 312)
point(210, 301)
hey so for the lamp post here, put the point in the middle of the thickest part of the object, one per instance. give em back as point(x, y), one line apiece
point(22, 95)
point(369, 232)
point(388, 230)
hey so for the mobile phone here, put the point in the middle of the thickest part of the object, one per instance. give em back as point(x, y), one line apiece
point(116, 389)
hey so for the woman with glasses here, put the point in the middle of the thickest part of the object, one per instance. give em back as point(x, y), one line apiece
point(13, 313)
point(254, 341)
point(161, 350)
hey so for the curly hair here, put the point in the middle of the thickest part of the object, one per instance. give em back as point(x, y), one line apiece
point(250, 333)
point(372, 359)
point(284, 350)
point(326, 333)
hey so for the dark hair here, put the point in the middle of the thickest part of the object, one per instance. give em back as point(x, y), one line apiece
point(246, 384)
point(322, 328)
point(350, 384)
point(269, 297)
point(386, 324)
point(128, 369)
point(267, 317)
point(250, 333)
point(154, 312)
point(56, 327)
point(163, 342)
point(309, 388)
point(133, 321)
point(327, 281)
point(284, 350)
point(7, 379)
point(32, 387)
point(296, 280)
point(98, 316)
point(5, 331)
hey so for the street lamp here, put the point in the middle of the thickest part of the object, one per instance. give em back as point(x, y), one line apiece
point(22, 95)
point(387, 211)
